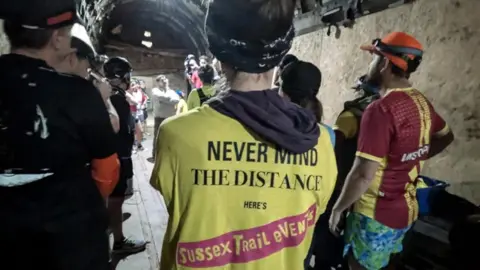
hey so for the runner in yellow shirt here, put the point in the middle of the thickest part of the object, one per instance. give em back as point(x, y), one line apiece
point(182, 105)
point(246, 193)
point(347, 128)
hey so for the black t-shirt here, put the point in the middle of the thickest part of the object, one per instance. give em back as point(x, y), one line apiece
point(125, 136)
point(51, 123)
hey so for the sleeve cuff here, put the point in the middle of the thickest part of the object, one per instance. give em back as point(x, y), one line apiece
point(444, 131)
point(369, 157)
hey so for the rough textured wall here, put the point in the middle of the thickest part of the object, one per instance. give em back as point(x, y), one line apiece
point(149, 62)
point(449, 74)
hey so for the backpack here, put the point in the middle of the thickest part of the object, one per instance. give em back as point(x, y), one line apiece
point(358, 106)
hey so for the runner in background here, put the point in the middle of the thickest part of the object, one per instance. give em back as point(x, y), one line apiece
point(82, 62)
point(182, 104)
point(199, 96)
point(137, 112)
point(347, 129)
point(204, 61)
point(56, 140)
point(118, 71)
point(164, 102)
point(195, 78)
point(398, 132)
point(261, 161)
point(144, 108)
point(190, 64)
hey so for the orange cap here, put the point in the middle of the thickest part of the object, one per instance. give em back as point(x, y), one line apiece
point(398, 39)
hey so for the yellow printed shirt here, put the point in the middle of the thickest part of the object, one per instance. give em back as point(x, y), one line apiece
point(181, 106)
point(236, 202)
point(193, 100)
point(347, 124)
point(395, 131)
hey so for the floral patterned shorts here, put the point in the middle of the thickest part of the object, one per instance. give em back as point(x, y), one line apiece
point(371, 242)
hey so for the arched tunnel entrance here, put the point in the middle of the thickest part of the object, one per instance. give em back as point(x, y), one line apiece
point(154, 35)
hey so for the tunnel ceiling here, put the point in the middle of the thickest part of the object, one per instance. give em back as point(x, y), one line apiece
point(149, 31)
point(166, 27)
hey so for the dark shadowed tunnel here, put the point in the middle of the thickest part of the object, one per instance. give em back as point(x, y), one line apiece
point(156, 34)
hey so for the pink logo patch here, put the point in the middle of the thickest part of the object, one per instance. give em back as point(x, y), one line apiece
point(247, 245)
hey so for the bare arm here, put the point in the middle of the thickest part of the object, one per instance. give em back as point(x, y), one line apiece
point(438, 144)
point(113, 116)
point(130, 99)
point(166, 97)
point(442, 135)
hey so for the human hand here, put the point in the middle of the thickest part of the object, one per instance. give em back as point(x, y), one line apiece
point(336, 222)
point(105, 89)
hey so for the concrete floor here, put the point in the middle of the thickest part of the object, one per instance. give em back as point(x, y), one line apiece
point(148, 218)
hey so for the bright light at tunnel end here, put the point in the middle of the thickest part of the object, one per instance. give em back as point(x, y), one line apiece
point(147, 44)
point(147, 34)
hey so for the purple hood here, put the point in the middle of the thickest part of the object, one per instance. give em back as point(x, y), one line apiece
point(276, 120)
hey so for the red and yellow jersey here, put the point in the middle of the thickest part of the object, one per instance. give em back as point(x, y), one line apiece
point(396, 131)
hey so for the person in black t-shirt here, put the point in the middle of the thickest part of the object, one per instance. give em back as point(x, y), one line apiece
point(84, 62)
point(56, 142)
point(118, 72)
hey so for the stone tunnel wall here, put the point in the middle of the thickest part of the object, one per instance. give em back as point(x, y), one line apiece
point(449, 75)
point(150, 63)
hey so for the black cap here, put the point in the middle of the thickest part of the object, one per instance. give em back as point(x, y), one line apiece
point(287, 59)
point(39, 14)
point(117, 67)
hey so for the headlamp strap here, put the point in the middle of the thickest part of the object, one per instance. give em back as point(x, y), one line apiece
point(396, 50)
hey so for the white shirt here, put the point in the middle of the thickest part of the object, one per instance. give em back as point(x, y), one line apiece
point(164, 102)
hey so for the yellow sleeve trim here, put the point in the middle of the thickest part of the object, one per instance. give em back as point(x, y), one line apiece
point(347, 124)
point(445, 130)
point(369, 157)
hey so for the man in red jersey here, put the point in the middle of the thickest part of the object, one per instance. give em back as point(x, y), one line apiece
point(398, 133)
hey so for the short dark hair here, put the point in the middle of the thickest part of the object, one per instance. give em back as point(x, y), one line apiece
point(301, 82)
point(287, 59)
point(206, 74)
point(21, 37)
